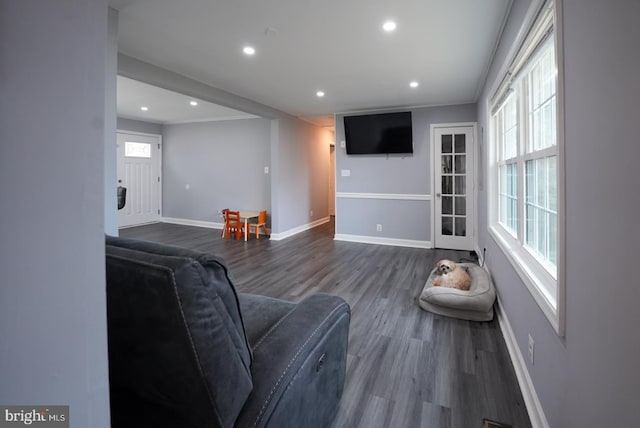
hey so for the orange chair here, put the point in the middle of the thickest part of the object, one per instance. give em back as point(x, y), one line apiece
point(233, 225)
point(262, 222)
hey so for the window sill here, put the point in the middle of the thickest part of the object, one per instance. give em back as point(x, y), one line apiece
point(533, 275)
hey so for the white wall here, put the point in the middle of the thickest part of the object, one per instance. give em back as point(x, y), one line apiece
point(589, 378)
point(300, 175)
point(52, 155)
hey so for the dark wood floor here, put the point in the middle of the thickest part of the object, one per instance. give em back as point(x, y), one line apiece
point(406, 367)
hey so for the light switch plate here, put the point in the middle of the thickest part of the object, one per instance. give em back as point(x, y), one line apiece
point(345, 173)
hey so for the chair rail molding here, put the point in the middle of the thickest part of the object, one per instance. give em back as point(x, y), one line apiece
point(393, 196)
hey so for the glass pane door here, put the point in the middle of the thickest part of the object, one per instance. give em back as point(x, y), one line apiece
point(454, 184)
point(454, 198)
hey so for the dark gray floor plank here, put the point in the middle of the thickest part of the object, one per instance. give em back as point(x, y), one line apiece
point(405, 367)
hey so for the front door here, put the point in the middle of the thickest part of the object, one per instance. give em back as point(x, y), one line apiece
point(454, 188)
point(139, 171)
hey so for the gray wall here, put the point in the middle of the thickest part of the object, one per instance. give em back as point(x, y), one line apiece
point(223, 164)
point(139, 126)
point(393, 174)
point(589, 378)
point(110, 142)
point(300, 174)
point(52, 171)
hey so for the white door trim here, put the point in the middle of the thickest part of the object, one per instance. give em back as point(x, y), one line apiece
point(474, 181)
point(159, 137)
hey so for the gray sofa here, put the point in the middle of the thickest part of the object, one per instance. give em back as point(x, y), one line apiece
point(187, 350)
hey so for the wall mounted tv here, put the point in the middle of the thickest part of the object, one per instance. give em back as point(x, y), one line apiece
point(378, 133)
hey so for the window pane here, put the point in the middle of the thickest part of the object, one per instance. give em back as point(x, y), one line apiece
point(447, 225)
point(447, 185)
point(508, 201)
point(446, 164)
point(447, 144)
point(461, 205)
point(541, 231)
point(460, 145)
point(461, 226)
point(461, 185)
point(447, 205)
point(552, 184)
point(510, 130)
point(137, 150)
point(542, 88)
point(460, 164)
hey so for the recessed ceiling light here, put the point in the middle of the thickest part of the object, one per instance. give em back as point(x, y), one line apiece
point(320, 94)
point(144, 108)
point(413, 84)
point(389, 26)
point(193, 103)
point(248, 50)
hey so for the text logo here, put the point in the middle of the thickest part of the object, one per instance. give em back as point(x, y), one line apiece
point(34, 416)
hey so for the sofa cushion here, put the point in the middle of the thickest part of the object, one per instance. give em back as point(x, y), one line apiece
point(174, 343)
point(261, 313)
point(220, 283)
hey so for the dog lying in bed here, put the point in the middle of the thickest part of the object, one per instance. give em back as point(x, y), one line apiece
point(449, 274)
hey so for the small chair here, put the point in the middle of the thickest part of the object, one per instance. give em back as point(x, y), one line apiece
point(233, 224)
point(262, 222)
point(224, 218)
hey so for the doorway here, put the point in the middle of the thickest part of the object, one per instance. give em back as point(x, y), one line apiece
point(332, 180)
point(454, 185)
point(138, 169)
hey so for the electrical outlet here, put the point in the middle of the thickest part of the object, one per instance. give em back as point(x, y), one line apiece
point(311, 213)
point(379, 227)
point(530, 349)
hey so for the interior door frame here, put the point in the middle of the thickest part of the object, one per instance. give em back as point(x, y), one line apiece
point(160, 177)
point(474, 176)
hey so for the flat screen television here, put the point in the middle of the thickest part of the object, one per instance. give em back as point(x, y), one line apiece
point(378, 133)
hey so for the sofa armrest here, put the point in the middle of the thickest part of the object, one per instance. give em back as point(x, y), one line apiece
point(299, 367)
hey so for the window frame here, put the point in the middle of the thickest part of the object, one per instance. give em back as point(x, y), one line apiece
point(546, 287)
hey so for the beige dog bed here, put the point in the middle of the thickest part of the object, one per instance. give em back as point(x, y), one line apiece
point(476, 304)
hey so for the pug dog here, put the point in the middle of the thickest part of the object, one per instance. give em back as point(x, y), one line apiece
point(449, 274)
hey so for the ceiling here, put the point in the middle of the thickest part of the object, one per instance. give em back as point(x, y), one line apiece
point(304, 46)
point(167, 107)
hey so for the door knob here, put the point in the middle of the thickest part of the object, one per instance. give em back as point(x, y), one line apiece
point(438, 195)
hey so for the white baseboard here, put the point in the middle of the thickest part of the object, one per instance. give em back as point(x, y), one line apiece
point(198, 223)
point(289, 233)
point(534, 407)
point(383, 241)
point(273, 236)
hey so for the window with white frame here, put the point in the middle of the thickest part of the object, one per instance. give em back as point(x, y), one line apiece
point(525, 177)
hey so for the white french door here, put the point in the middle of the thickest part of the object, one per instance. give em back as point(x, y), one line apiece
point(454, 186)
point(138, 168)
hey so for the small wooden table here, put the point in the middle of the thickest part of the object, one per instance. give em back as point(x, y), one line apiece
point(246, 215)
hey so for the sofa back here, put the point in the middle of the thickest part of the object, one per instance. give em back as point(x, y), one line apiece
point(178, 353)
